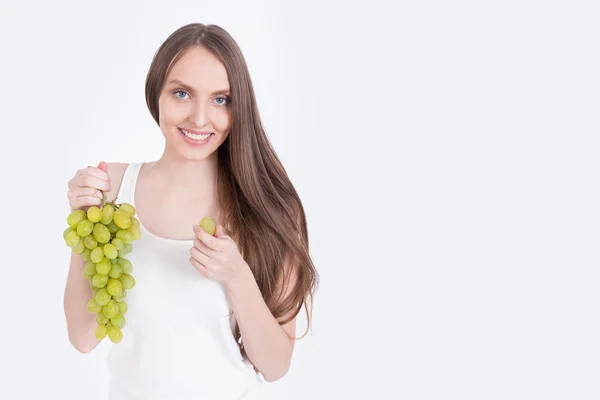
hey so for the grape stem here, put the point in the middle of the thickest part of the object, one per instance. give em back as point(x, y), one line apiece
point(111, 203)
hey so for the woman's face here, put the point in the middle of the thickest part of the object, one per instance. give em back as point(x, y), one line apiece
point(194, 109)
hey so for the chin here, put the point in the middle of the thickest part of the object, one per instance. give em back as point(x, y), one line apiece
point(196, 156)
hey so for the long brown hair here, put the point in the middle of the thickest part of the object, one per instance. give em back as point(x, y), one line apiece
point(261, 209)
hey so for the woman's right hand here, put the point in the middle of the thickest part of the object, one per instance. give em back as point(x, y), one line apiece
point(86, 187)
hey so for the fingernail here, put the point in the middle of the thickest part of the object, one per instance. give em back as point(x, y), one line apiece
point(195, 228)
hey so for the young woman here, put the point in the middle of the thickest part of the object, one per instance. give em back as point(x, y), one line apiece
point(210, 317)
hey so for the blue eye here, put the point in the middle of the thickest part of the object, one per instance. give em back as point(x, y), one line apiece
point(179, 91)
point(225, 100)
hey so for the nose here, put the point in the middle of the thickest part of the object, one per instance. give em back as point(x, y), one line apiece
point(199, 116)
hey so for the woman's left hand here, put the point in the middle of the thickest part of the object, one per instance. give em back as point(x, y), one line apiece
point(217, 257)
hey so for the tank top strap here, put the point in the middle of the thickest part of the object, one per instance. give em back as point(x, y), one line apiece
point(127, 188)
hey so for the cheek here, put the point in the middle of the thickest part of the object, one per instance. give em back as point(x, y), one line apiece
point(222, 120)
point(171, 113)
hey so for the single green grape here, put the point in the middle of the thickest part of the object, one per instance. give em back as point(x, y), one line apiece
point(100, 281)
point(115, 271)
point(208, 225)
point(114, 334)
point(90, 268)
point(86, 275)
point(85, 227)
point(127, 209)
point(135, 222)
point(72, 239)
point(101, 332)
point(94, 214)
point(110, 251)
point(79, 247)
point(122, 220)
point(114, 287)
point(97, 254)
point(101, 233)
point(128, 248)
point(86, 254)
point(66, 232)
point(90, 242)
point(123, 307)
point(125, 236)
point(127, 267)
point(135, 232)
point(118, 321)
point(107, 214)
point(75, 218)
point(118, 243)
point(128, 281)
point(110, 309)
point(121, 298)
point(104, 266)
point(102, 319)
point(112, 227)
point(94, 307)
point(102, 296)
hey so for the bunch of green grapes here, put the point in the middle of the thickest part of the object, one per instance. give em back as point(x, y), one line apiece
point(103, 237)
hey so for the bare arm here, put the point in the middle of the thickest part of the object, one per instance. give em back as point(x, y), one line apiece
point(81, 324)
point(268, 344)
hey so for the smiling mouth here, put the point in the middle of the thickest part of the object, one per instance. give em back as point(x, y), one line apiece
point(194, 136)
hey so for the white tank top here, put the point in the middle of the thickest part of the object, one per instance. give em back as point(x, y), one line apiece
point(178, 341)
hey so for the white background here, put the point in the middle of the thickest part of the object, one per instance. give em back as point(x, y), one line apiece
point(446, 154)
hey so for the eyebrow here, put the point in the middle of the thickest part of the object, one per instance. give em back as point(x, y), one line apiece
point(178, 82)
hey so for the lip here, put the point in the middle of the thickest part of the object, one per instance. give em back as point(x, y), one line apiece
point(196, 132)
point(196, 142)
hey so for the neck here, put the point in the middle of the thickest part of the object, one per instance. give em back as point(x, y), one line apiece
point(196, 179)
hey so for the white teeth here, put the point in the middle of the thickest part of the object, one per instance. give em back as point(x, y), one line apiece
point(194, 136)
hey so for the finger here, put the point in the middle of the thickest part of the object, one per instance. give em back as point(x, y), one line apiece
point(198, 244)
point(200, 268)
point(209, 240)
point(85, 201)
point(103, 166)
point(93, 182)
point(87, 191)
point(95, 171)
point(201, 257)
point(74, 193)
point(222, 234)
point(88, 201)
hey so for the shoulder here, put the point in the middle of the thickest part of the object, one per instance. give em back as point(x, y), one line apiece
point(116, 171)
